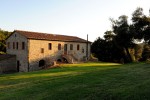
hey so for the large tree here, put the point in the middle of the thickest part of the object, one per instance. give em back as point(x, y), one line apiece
point(122, 42)
point(123, 38)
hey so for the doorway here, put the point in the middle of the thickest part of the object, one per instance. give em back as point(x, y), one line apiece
point(41, 63)
point(18, 65)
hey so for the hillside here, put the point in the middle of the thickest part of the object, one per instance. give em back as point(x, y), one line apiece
point(89, 81)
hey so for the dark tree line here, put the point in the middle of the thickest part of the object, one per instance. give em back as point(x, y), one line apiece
point(3, 36)
point(121, 44)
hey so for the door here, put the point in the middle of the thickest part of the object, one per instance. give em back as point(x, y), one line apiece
point(18, 65)
point(65, 49)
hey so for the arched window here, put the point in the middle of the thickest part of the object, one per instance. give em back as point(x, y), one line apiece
point(59, 46)
point(59, 60)
point(41, 63)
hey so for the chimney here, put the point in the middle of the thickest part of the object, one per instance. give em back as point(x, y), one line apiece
point(87, 48)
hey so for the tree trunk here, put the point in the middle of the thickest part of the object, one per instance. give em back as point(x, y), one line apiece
point(128, 55)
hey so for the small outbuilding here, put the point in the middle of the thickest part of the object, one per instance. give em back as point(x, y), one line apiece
point(8, 63)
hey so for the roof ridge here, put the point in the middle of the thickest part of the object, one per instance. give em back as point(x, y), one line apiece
point(44, 33)
point(32, 32)
point(49, 36)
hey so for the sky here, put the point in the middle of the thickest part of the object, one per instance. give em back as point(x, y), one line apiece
point(66, 17)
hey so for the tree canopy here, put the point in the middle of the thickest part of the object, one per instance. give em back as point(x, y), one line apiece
point(119, 43)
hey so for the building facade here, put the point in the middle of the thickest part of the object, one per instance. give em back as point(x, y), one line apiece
point(34, 50)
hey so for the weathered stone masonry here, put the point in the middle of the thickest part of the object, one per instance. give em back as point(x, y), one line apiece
point(33, 50)
point(7, 63)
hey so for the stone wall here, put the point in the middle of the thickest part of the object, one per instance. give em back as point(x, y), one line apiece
point(21, 55)
point(8, 65)
point(30, 57)
point(49, 56)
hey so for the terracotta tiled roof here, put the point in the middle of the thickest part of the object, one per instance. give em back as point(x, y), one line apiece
point(52, 37)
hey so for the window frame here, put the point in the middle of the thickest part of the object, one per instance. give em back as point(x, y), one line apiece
point(23, 45)
point(8, 45)
point(13, 45)
point(17, 45)
point(42, 50)
point(71, 46)
point(78, 47)
point(49, 46)
point(83, 50)
point(59, 46)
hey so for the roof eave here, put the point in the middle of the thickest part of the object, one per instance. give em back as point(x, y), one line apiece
point(60, 40)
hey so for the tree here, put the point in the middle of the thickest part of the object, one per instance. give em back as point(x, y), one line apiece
point(138, 51)
point(146, 53)
point(119, 44)
point(109, 35)
point(141, 25)
point(3, 36)
point(102, 49)
point(96, 47)
point(105, 50)
point(123, 38)
point(141, 30)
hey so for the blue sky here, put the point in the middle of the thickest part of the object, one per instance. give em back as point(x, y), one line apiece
point(67, 17)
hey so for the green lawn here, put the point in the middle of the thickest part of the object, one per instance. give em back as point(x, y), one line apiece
point(89, 81)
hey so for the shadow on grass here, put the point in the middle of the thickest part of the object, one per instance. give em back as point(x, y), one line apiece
point(79, 82)
point(66, 69)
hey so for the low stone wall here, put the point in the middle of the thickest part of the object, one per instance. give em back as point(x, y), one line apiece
point(8, 65)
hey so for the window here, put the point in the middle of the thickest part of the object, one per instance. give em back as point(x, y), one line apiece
point(78, 47)
point(23, 45)
point(71, 46)
point(59, 46)
point(82, 50)
point(8, 45)
point(42, 50)
point(13, 45)
point(17, 45)
point(50, 46)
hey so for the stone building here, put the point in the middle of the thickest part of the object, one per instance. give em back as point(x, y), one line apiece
point(34, 50)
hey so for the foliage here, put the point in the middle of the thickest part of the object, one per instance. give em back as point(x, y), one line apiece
point(141, 25)
point(3, 36)
point(109, 35)
point(146, 53)
point(101, 48)
point(121, 39)
point(105, 50)
point(138, 51)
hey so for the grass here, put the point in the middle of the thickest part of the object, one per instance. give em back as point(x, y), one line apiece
point(89, 81)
